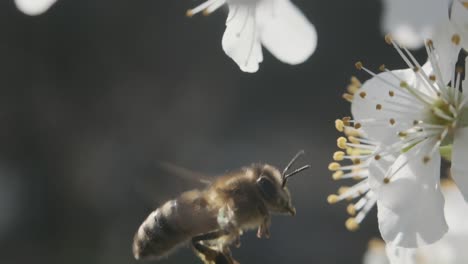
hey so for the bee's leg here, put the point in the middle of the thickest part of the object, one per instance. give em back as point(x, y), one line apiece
point(264, 228)
point(208, 254)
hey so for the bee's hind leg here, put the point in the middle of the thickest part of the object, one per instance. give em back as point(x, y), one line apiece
point(210, 255)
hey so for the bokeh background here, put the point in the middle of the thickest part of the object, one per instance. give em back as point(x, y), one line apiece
point(94, 93)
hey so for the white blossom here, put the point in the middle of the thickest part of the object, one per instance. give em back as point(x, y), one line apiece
point(34, 7)
point(278, 25)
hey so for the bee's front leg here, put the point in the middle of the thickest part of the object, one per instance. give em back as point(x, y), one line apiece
point(264, 228)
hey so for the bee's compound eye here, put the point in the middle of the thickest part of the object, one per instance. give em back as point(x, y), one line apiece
point(267, 188)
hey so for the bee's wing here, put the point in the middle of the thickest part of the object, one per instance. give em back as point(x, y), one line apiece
point(167, 181)
point(186, 174)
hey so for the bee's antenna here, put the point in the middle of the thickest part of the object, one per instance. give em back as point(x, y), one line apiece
point(286, 176)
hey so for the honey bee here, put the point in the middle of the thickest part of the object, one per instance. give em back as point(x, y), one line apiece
point(213, 219)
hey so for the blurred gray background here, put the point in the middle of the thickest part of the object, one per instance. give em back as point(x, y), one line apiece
point(94, 92)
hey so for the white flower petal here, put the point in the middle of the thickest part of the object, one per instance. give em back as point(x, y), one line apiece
point(376, 92)
point(398, 255)
point(410, 22)
point(285, 31)
point(34, 7)
point(416, 226)
point(240, 40)
point(459, 17)
point(460, 160)
point(456, 210)
point(447, 52)
point(410, 206)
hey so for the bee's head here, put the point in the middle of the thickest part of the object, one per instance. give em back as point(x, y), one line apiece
point(272, 186)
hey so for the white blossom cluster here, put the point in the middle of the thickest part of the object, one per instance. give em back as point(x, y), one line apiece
point(403, 123)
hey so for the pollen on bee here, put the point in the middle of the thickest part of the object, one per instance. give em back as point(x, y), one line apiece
point(339, 125)
point(351, 224)
point(341, 142)
point(337, 175)
point(351, 209)
point(456, 39)
point(334, 166)
point(338, 156)
point(333, 199)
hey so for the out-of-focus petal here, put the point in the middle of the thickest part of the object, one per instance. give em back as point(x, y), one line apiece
point(410, 22)
point(410, 205)
point(34, 7)
point(376, 92)
point(285, 31)
point(460, 160)
point(398, 255)
point(456, 210)
point(240, 40)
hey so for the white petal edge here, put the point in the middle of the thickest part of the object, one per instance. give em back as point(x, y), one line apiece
point(34, 7)
point(240, 40)
point(285, 31)
point(460, 160)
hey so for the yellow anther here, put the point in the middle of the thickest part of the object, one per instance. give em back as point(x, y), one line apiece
point(343, 189)
point(352, 89)
point(355, 81)
point(430, 43)
point(351, 209)
point(357, 125)
point(339, 125)
point(391, 93)
point(404, 84)
point(382, 68)
point(376, 244)
point(189, 13)
point(358, 65)
point(338, 156)
point(333, 199)
point(356, 161)
point(392, 121)
point(377, 157)
point(426, 159)
point(388, 39)
point(402, 134)
point(351, 224)
point(456, 39)
point(206, 12)
point(348, 97)
point(465, 4)
point(362, 95)
point(416, 69)
point(334, 166)
point(337, 175)
point(432, 77)
point(386, 180)
point(354, 140)
point(341, 142)
point(378, 107)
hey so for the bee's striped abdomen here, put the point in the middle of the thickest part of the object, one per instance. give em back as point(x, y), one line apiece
point(172, 224)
